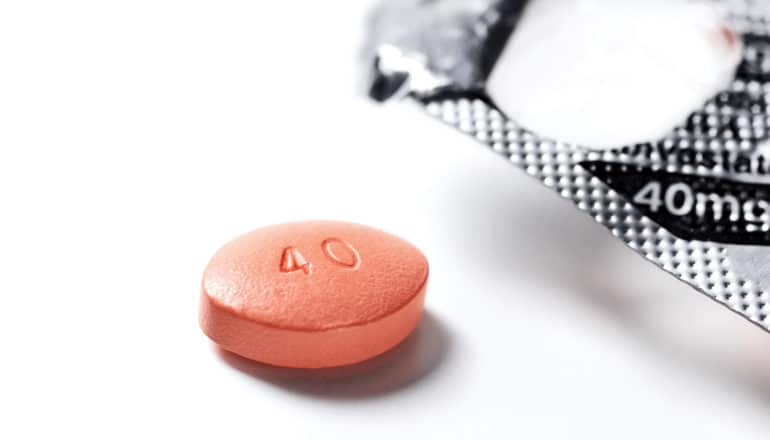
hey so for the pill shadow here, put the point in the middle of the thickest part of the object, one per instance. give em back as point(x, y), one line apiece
point(417, 357)
point(520, 229)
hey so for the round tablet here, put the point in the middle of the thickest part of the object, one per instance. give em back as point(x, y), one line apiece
point(313, 294)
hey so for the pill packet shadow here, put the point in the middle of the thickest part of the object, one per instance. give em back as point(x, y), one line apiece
point(519, 229)
point(420, 355)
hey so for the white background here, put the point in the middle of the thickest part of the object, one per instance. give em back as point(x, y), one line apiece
point(137, 137)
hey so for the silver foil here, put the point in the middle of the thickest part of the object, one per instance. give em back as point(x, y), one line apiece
point(421, 47)
point(716, 164)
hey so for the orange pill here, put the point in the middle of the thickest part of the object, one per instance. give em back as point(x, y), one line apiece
point(313, 294)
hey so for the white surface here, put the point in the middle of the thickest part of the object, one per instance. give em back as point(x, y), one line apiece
point(608, 73)
point(135, 138)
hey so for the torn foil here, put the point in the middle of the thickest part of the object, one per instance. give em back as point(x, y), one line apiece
point(696, 203)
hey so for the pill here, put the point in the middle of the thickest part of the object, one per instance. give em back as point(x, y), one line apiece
point(313, 294)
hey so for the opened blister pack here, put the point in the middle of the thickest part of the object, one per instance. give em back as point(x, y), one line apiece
point(650, 116)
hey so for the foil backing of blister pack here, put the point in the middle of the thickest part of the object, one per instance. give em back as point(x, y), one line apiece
point(711, 174)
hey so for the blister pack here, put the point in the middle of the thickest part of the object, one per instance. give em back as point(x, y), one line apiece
point(669, 146)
